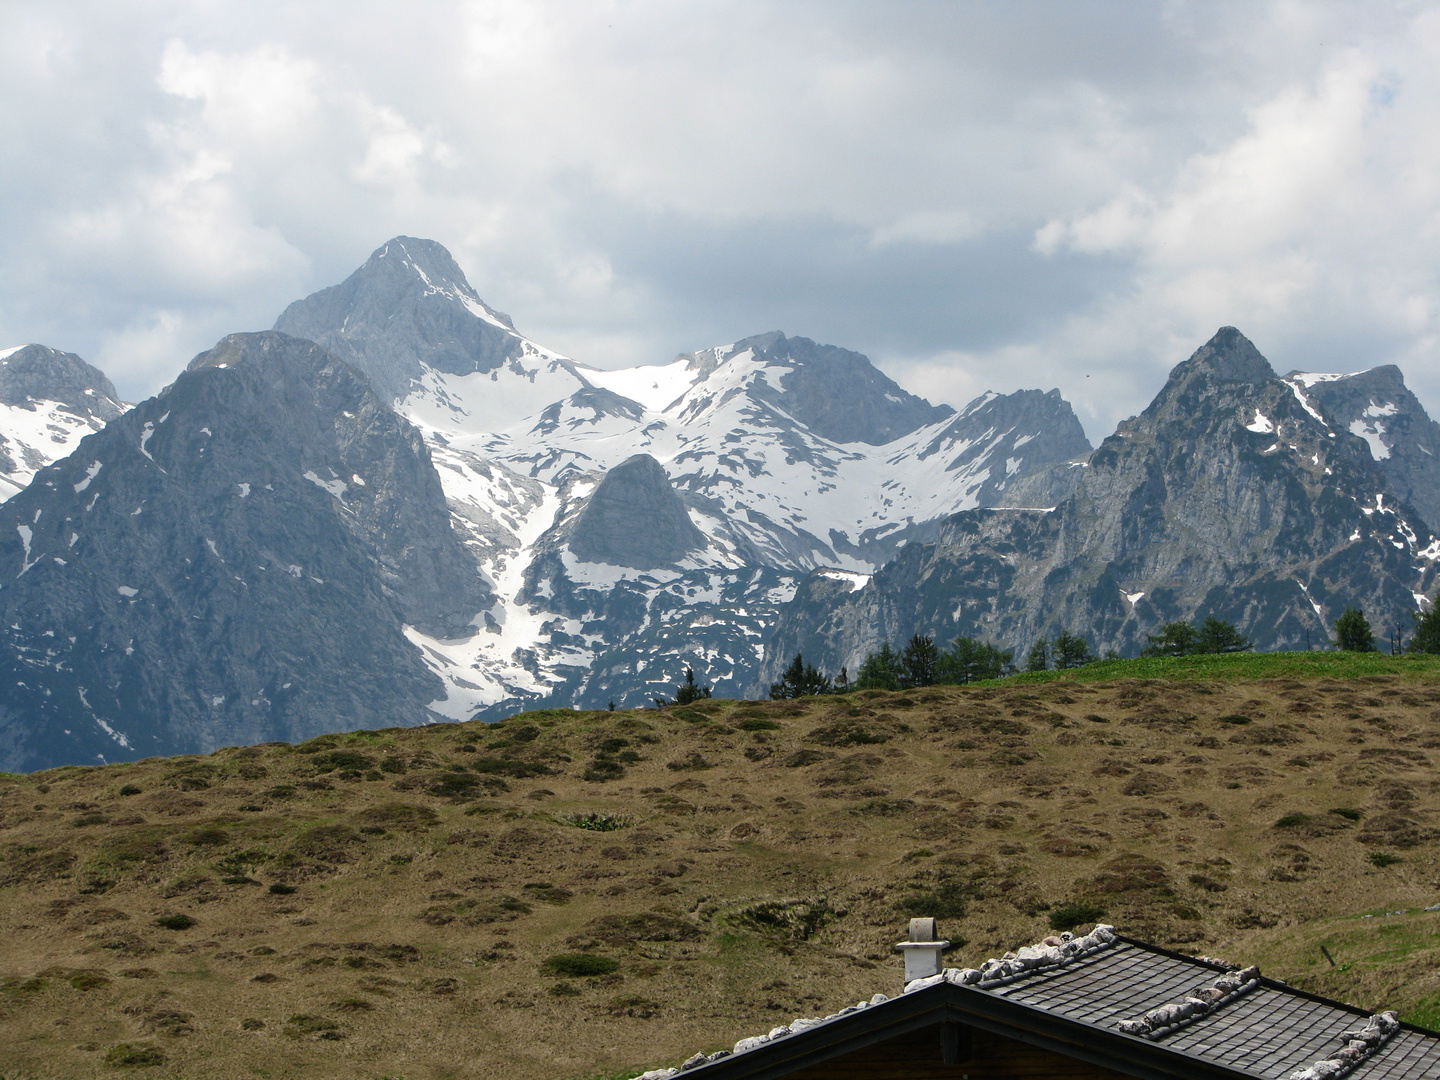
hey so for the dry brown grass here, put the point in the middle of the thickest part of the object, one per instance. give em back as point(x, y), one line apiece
point(383, 904)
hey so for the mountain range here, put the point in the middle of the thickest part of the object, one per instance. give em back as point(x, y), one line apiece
point(394, 507)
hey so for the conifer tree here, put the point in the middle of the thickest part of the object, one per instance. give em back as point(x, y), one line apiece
point(1038, 658)
point(880, 671)
point(918, 661)
point(1353, 633)
point(1427, 630)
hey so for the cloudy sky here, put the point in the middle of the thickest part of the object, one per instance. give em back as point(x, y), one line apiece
point(978, 196)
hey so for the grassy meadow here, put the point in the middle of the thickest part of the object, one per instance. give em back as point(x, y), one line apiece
point(587, 894)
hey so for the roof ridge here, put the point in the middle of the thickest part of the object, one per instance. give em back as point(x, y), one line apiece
point(1013, 966)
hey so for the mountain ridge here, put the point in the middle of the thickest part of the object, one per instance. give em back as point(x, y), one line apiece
point(1229, 495)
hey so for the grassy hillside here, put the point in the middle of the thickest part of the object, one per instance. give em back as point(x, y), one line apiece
point(588, 894)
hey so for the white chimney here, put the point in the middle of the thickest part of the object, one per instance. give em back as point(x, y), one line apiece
point(922, 951)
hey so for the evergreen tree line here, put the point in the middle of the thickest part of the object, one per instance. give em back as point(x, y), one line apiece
point(1353, 632)
point(922, 663)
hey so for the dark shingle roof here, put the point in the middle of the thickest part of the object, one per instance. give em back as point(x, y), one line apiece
point(1248, 1026)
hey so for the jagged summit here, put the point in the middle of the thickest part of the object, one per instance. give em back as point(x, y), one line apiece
point(408, 310)
point(1229, 356)
point(236, 559)
point(1235, 494)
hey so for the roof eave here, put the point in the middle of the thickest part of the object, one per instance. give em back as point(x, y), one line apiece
point(974, 1008)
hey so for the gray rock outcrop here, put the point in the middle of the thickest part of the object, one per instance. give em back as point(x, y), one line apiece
point(40, 373)
point(635, 519)
point(1377, 406)
point(836, 393)
point(231, 561)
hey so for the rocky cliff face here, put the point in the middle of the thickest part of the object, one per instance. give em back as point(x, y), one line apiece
point(234, 560)
point(49, 401)
point(635, 519)
point(1378, 407)
point(1230, 495)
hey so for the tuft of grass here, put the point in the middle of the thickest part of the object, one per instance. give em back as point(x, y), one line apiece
point(1291, 821)
point(1384, 858)
point(175, 922)
point(1348, 814)
point(578, 965)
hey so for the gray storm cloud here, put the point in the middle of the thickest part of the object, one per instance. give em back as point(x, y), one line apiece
point(978, 196)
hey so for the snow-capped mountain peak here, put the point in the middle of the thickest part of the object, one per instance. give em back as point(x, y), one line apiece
point(49, 401)
point(785, 455)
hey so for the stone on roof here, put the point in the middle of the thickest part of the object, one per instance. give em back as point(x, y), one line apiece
point(1223, 1020)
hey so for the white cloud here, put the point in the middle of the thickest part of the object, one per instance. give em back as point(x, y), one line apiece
point(977, 195)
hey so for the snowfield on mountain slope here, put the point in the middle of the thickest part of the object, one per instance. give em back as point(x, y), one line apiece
point(719, 441)
point(33, 436)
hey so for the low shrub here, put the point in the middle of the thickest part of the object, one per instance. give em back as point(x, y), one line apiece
point(603, 769)
point(321, 1027)
point(693, 760)
point(520, 770)
point(175, 922)
point(134, 1056)
point(1384, 858)
point(759, 723)
point(1077, 913)
point(798, 919)
point(342, 759)
point(597, 822)
point(947, 900)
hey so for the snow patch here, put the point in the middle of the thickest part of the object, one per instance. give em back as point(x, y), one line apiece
point(1371, 433)
point(1308, 379)
point(126, 591)
point(5, 354)
point(90, 473)
point(1304, 398)
point(1261, 424)
point(857, 581)
point(244, 490)
point(336, 487)
point(25, 534)
point(1132, 598)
